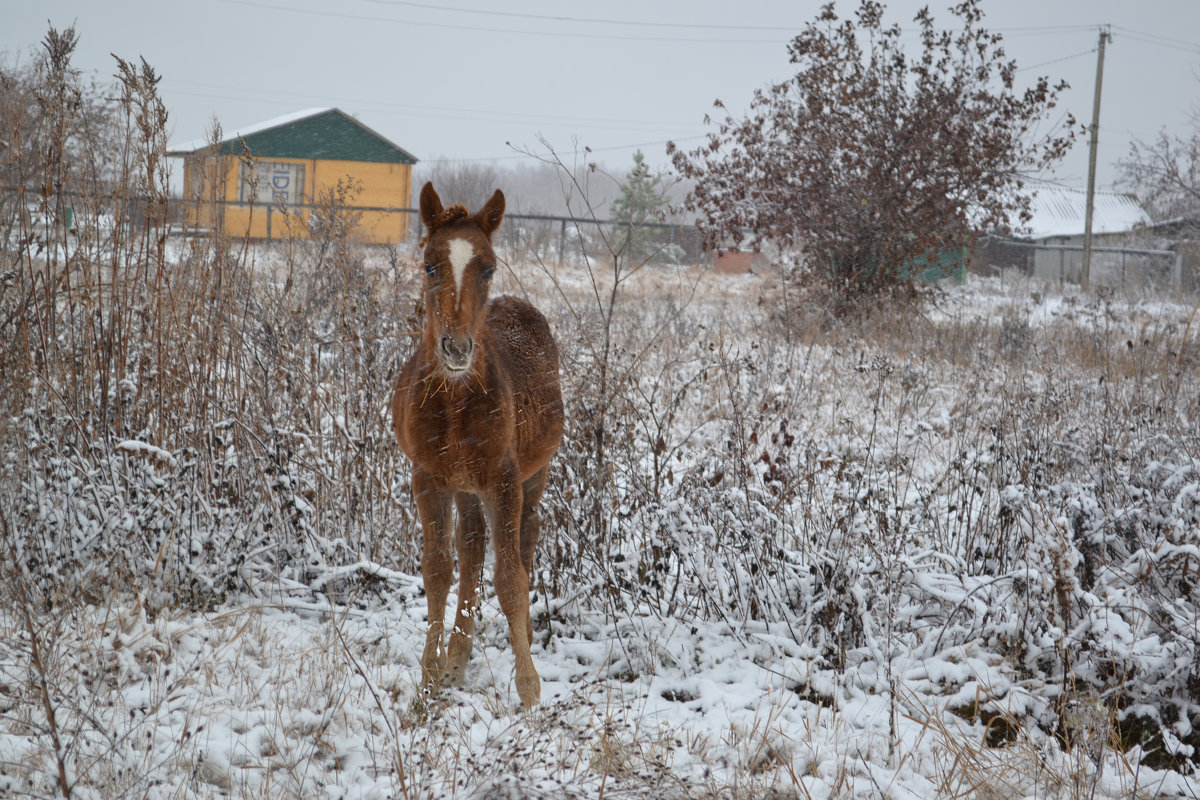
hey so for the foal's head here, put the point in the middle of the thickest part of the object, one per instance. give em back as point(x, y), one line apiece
point(459, 262)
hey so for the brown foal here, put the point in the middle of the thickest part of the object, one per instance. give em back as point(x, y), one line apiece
point(478, 410)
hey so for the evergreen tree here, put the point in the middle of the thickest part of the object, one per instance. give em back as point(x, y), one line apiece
point(643, 202)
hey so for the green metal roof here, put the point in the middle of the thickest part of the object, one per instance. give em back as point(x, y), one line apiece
point(327, 134)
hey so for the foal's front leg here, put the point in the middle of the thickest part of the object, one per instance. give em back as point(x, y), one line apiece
point(471, 537)
point(437, 570)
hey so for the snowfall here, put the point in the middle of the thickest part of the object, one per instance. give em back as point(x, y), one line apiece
point(288, 689)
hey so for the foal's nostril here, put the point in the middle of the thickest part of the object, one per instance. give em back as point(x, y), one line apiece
point(450, 345)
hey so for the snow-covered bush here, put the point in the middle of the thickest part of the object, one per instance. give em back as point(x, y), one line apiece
point(189, 416)
point(1006, 484)
point(950, 492)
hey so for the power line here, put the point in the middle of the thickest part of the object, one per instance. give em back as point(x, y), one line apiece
point(529, 120)
point(446, 112)
point(1044, 30)
point(575, 151)
point(579, 20)
point(1165, 41)
point(493, 30)
point(449, 113)
point(1057, 60)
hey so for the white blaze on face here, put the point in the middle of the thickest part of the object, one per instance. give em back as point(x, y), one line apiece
point(461, 253)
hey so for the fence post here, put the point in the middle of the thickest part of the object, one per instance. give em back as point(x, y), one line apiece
point(562, 241)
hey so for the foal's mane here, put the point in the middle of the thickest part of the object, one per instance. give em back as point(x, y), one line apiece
point(449, 214)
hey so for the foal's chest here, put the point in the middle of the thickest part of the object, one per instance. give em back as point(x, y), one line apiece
point(461, 440)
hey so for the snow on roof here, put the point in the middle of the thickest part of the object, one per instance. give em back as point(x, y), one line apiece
point(1060, 211)
point(258, 127)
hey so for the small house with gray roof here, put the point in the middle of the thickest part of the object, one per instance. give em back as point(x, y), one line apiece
point(1058, 223)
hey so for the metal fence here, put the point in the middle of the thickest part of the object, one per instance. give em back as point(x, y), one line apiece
point(1124, 267)
point(549, 236)
point(556, 237)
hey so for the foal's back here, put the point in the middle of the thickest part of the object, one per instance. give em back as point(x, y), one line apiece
point(523, 347)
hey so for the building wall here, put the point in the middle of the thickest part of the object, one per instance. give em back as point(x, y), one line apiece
point(221, 196)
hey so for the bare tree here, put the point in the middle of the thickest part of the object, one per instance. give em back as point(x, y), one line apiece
point(468, 182)
point(57, 135)
point(1165, 174)
point(870, 161)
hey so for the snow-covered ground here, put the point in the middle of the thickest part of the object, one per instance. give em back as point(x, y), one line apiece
point(905, 577)
point(271, 697)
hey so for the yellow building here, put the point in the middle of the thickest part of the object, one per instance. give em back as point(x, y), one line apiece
point(267, 181)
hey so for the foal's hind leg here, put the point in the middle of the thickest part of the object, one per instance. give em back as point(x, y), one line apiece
point(472, 547)
point(531, 525)
point(512, 581)
point(437, 570)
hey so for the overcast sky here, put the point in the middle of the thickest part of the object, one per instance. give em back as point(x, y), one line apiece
point(462, 80)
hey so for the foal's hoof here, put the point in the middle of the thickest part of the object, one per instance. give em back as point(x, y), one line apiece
point(433, 670)
point(529, 688)
point(454, 675)
point(457, 657)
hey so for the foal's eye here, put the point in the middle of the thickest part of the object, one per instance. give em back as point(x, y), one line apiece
point(488, 272)
point(430, 268)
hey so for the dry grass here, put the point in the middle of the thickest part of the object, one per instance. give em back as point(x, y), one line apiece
point(865, 406)
point(1002, 476)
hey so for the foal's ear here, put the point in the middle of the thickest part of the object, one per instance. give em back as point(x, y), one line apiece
point(491, 214)
point(431, 206)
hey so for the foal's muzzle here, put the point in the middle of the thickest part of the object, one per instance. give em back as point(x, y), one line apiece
point(456, 353)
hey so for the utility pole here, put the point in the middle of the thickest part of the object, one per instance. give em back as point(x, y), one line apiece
point(1105, 35)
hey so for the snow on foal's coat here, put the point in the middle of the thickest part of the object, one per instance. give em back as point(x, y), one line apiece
point(478, 410)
